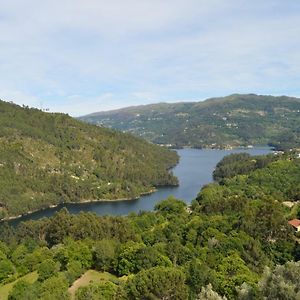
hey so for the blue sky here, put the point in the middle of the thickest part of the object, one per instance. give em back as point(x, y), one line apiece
point(82, 56)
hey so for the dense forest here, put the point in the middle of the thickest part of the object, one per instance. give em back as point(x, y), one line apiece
point(47, 159)
point(233, 242)
point(236, 120)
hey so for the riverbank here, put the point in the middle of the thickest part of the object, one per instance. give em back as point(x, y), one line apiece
point(153, 190)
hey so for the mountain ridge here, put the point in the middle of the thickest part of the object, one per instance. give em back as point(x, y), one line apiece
point(231, 121)
point(211, 99)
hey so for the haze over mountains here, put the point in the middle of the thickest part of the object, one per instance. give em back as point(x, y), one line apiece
point(235, 120)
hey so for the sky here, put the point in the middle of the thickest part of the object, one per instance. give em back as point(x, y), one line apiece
point(83, 56)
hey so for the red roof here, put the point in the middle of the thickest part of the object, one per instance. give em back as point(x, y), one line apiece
point(295, 223)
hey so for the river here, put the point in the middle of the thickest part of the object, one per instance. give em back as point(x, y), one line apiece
point(194, 170)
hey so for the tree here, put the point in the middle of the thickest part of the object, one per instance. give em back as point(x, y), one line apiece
point(232, 272)
point(207, 293)
point(158, 282)
point(104, 290)
point(283, 283)
point(47, 269)
point(148, 257)
point(59, 227)
point(105, 254)
point(265, 220)
point(7, 269)
point(23, 290)
point(72, 251)
point(32, 260)
point(198, 275)
point(171, 206)
point(74, 271)
point(54, 288)
point(18, 258)
point(126, 263)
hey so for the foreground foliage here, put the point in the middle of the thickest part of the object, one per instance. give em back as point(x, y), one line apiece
point(233, 243)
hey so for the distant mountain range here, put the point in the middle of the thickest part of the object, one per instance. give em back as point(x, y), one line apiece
point(235, 120)
point(47, 159)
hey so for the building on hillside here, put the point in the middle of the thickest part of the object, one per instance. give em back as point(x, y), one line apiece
point(295, 223)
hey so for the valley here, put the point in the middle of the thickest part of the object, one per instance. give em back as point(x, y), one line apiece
point(194, 170)
point(149, 150)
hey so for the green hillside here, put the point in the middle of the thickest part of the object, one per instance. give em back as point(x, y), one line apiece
point(236, 120)
point(46, 159)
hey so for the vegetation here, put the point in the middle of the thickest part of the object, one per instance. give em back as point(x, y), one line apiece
point(47, 159)
point(239, 164)
point(236, 120)
point(233, 243)
point(86, 285)
point(6, 289)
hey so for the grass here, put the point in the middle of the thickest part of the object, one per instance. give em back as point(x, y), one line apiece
point(91, 276)
point(5, 289)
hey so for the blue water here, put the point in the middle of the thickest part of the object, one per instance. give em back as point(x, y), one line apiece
point(193, 171)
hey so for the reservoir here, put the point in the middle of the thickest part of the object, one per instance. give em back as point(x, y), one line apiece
point(194, 170)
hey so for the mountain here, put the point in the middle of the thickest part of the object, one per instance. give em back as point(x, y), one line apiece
point(47, 159)
point(235, 120)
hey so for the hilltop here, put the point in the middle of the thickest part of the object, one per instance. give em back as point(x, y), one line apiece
point(47, 159)
point(235, 120)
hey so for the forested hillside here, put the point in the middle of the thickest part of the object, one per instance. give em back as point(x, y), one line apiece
point(46, 159)
point(236, 120)
point(234, 242)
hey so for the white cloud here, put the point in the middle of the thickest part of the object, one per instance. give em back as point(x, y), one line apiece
point(68, 54)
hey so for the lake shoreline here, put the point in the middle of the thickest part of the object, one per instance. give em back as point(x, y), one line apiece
point(153, 190)
point(193, 171)
point(229, 148)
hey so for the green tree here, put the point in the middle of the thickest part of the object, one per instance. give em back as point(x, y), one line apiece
point(59, 227)
point(78, 251)
point(47, 269)
point(55, 287)
point(158, 283)
point(171, 206)
point(23, 290)
point(126, 262)
point(74, 270)
point(105, 291)
point(7, 269)
point(105, 254)
point(148, 257)
point(198, 276)
point(18, 258)
point(233, 272)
